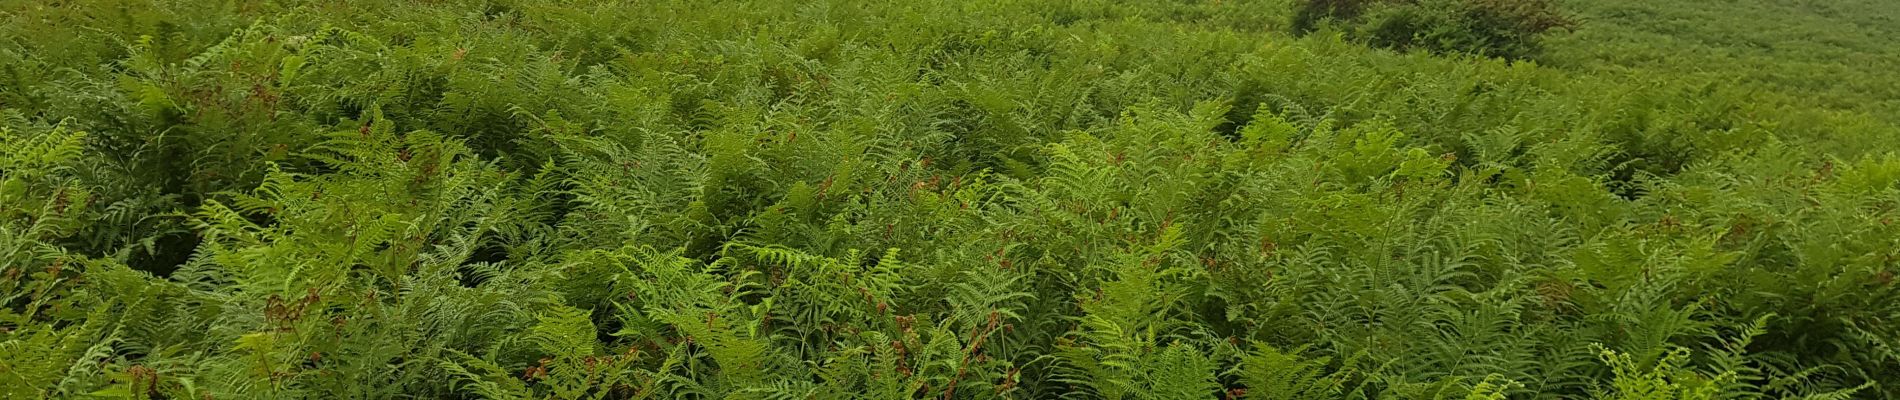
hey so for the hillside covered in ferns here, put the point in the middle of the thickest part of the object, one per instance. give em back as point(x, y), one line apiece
point(949, 199)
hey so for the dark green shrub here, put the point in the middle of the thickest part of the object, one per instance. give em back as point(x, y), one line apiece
point(1311, 14)
point(1498, 28)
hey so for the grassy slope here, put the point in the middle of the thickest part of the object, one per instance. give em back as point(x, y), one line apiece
point(1827, 64)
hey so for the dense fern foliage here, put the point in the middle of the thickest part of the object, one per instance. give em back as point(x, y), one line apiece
point(850, 199)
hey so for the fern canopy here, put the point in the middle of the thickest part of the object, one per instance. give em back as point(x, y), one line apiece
point(845, 199)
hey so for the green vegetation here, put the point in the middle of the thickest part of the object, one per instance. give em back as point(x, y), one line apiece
point(1608, 199)
point(1504, 28)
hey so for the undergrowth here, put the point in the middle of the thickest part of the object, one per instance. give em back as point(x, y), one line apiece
point(970, 199)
